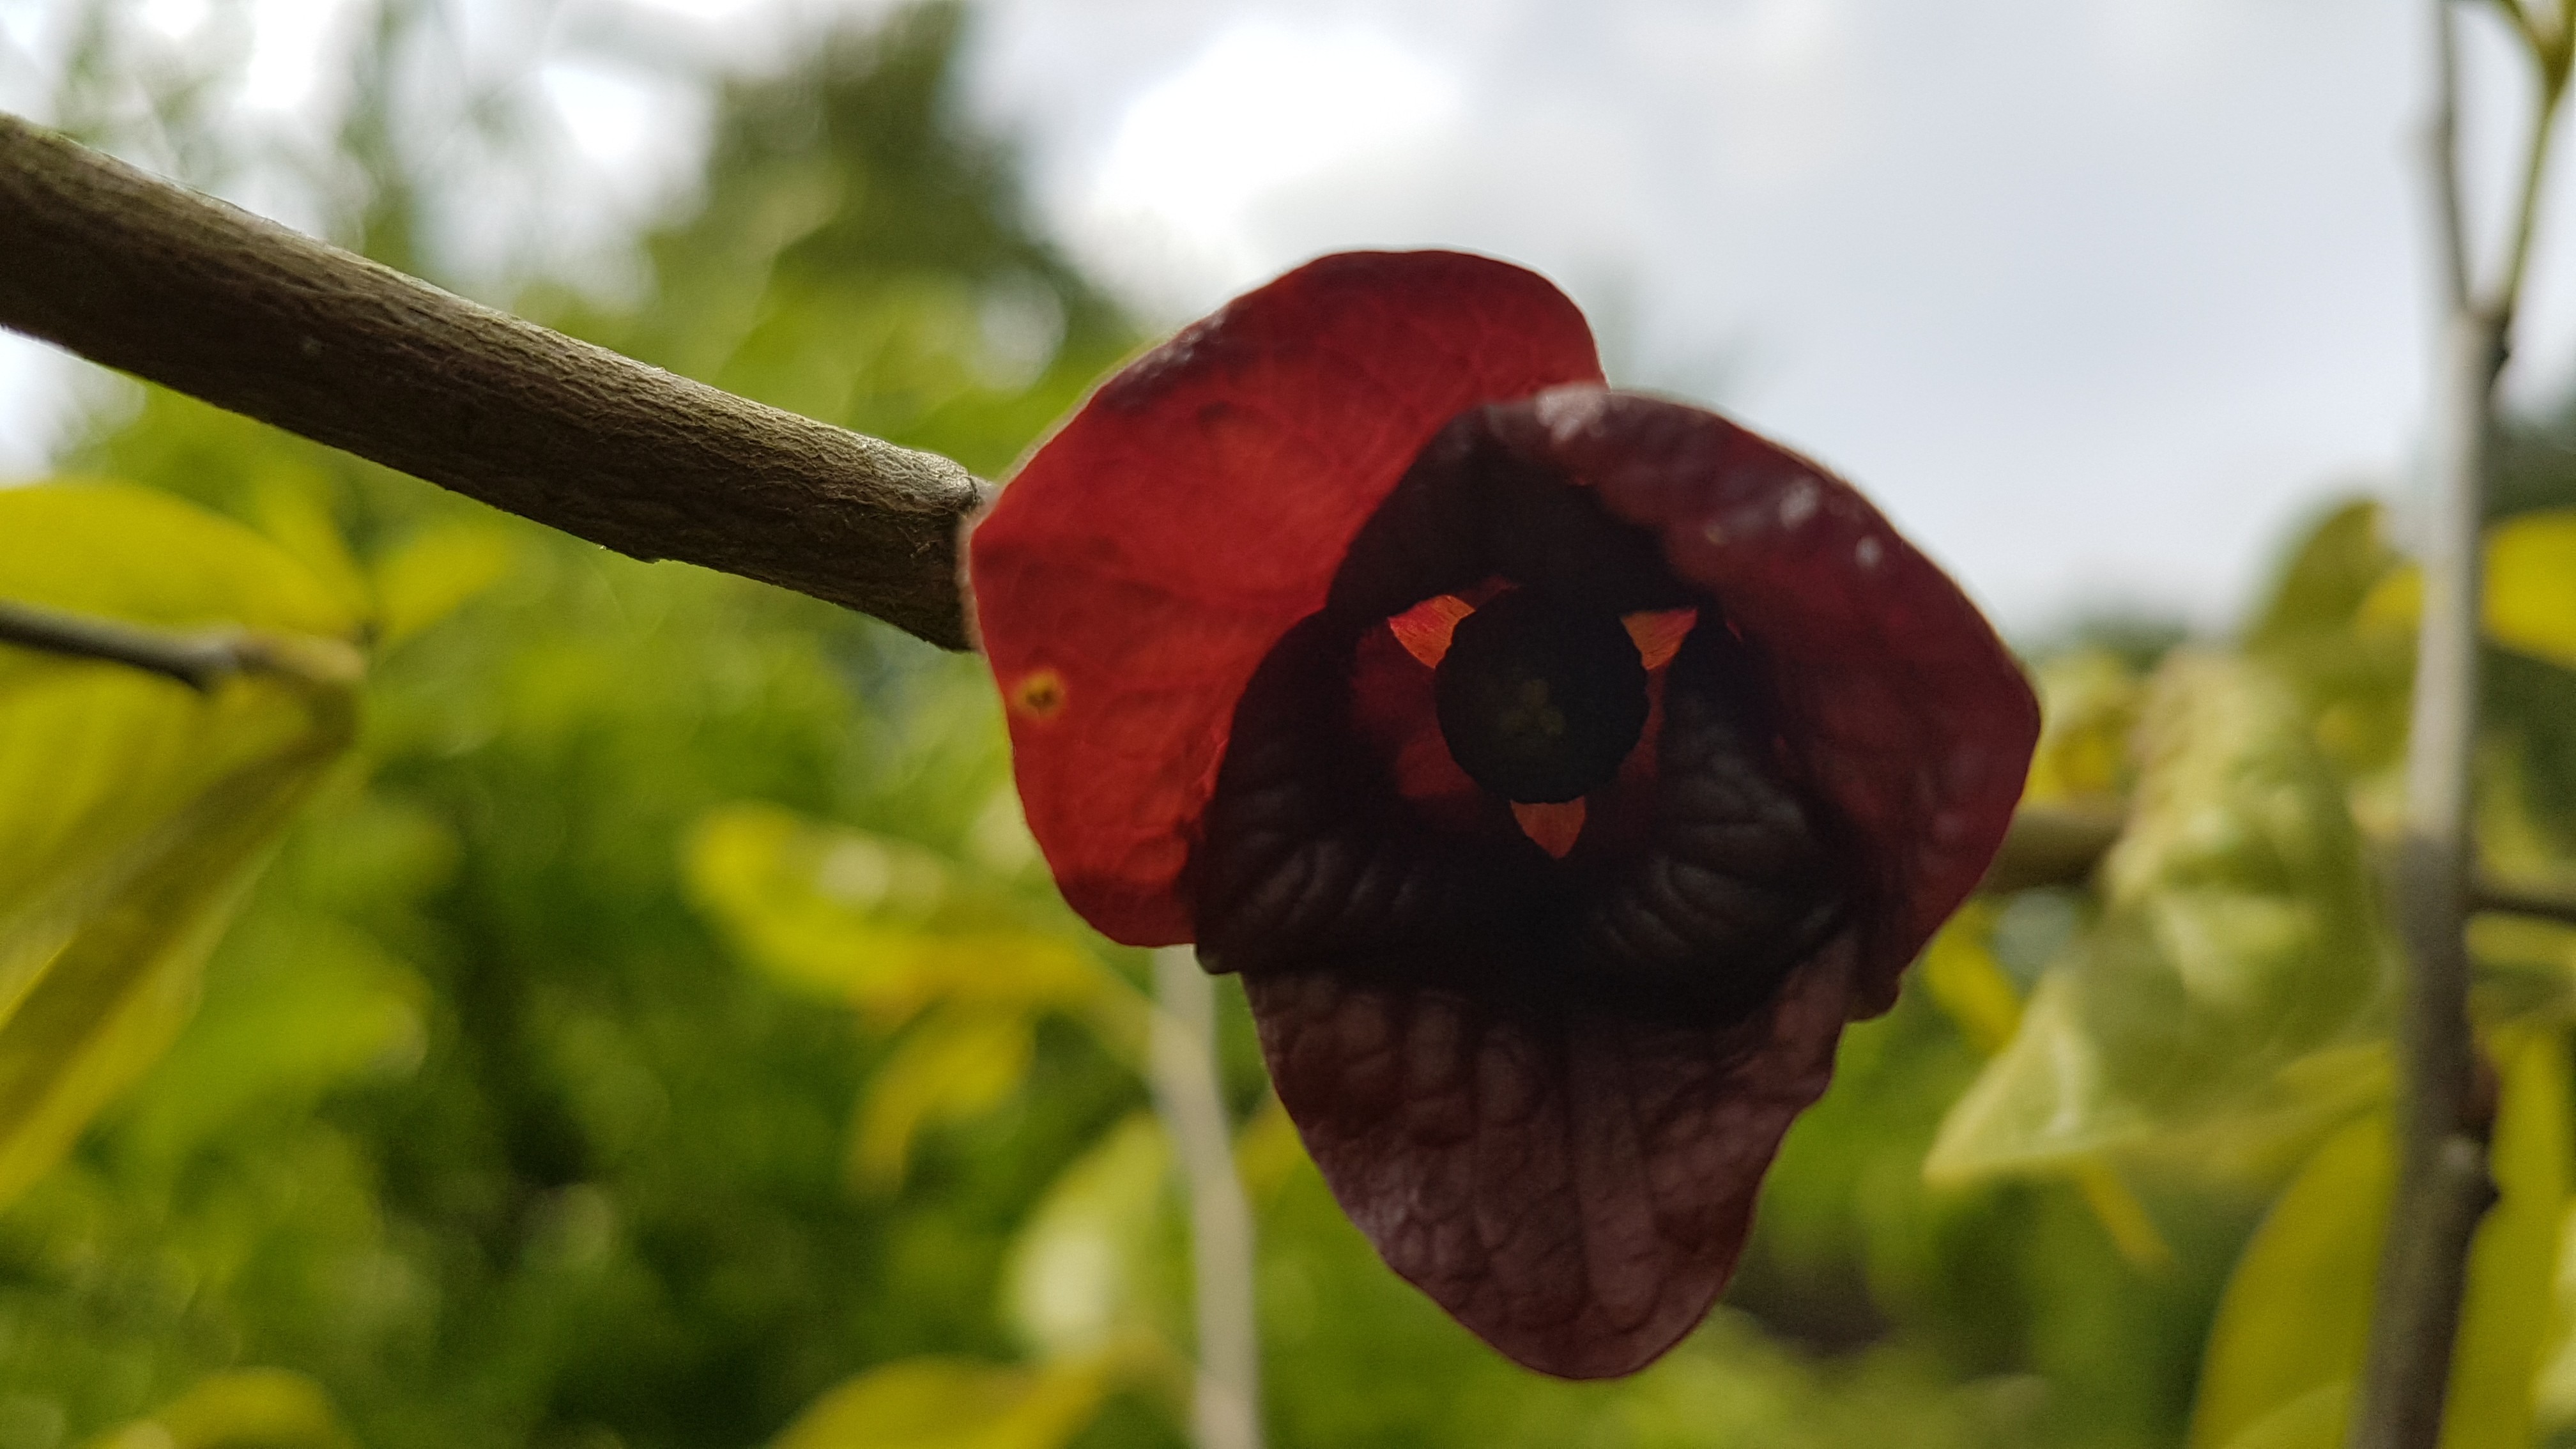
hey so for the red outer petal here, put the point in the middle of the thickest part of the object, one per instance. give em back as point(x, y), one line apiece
point(1134, 573)
point(1574, 1191)
point(1894, 693)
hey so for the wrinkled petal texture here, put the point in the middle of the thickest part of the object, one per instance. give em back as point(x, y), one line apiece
point(1569, 1173)
point(1138, 567)
point(1575, 1185)
point(1895, 697)
point(1574, 1191)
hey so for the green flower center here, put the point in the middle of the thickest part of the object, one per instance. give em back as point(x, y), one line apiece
point(1539, 698)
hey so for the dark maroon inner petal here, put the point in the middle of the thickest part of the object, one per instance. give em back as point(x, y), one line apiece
point(1312, 859)
point(1471, 508)
point(1744, 878)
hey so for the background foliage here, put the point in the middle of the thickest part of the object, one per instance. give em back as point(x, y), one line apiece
point(630, 1013)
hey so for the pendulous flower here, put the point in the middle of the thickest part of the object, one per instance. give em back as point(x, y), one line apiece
point(1560, 767)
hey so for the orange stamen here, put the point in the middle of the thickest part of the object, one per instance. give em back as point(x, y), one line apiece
point(1425, 628)
point(1659, 633)
point(1555, 827)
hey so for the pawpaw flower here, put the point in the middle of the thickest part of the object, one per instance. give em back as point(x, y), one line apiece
point(1560, 767)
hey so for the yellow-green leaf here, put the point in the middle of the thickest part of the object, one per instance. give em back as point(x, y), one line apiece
point(2504, 1325)
point(2326, 629)
point(1965, 980)
point(2316, 1419)
point(144, 556)
point(289, 506)
point(2530, 602)
point(889, 925)
point(2531, 585)
point(2089, 703)
point(1267, 1150)
point(431, 574)
point(132, 815)
point(2326, 578)
point(299, 1005)
point(2280, 1361)
point(956, 1063)
point(1960, 971)
point(244, 1409)
point(134, 810)
point(2236, 949)
point(952, 1403)
point(2296, 1312)
point(1089, 1266)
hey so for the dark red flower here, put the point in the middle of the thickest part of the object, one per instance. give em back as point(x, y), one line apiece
point(1560, 767)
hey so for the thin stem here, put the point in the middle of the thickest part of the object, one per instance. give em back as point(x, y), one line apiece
point(2052, 845)
point(2519, 17)
point(1226, 1406)
point(2442, 143)
point(2553, 89)
point(2057, 845)
point(2543, 903)
point(2443, 1188)
point(199, 659)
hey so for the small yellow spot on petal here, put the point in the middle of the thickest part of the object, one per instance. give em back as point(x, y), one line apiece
point(1039, 695)
point(1555, 827)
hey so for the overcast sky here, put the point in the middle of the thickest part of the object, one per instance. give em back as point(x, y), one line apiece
point(2094, 296)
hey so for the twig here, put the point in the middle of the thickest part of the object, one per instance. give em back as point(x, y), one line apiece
point(2057, 845)
point(2442, 148)
point(2535, 171)
point(2539, 902)
point(200, 659)
point(169, 285)
point(1226, 1412)
point(2051, 845)
point(2443, 1187)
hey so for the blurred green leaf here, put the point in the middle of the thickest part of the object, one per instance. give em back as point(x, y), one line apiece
point(952, 1403)
point(134, 822)
point(2531, 585)
point(2297, 1312)
point(1961, 973)
point(1267, 1150)
point(2530, 588)
point(132, 810)
point(891, 926)
point(2290, 1334)
point(2089, 701)
point(309, 1004)
point(2513, 1267)
point(2325, 580)
point(262, 1408)
point(288, 504)
point(2526, 968)
point(2326, 630)
point(955, 1063)
point(140, 555)
point(1087, 1271)
point(431, 574)
point(2316, 1419)
point(2237, 937)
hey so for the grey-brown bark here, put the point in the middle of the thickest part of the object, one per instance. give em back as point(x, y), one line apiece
point(170, 285)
